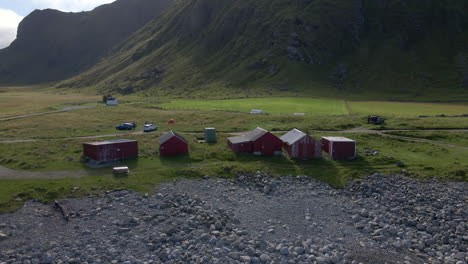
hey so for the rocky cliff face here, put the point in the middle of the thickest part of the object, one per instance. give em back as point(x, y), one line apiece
point(402, 50)
point(53, 45)
point(383, 49)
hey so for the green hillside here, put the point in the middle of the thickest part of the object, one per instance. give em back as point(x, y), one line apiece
point(392, 50)
point(408, 50)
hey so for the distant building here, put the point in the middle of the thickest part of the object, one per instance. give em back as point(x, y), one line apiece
point(339, 148)
point(299, 145)
point(112, 101)
point(258, 141)
point(111, 150)
point(257, 111)
point(172, 143)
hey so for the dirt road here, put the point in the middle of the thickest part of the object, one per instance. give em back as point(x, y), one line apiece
point(354, 130)
point(65, 109)
point(6, 173)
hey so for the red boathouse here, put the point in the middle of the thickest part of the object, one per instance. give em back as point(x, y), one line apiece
point(258, 141)
point(111, 149)
point(299, 145)
point(339, 148)
point(172, 143)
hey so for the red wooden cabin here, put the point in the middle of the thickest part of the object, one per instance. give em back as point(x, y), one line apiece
point(258, 141)
point(299, 145)
point(172, 143)
point(339, 148)
point(111, 149)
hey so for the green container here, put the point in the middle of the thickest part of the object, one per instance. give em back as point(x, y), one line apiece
point(210, 135)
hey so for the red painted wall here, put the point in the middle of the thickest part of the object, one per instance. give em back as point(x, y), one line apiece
point(267, 144)
point(112, 151)
point(340, 151)
point(305, 148)
point(174, 146)
point(325, 145)
point(343, 150)
point(245, 147)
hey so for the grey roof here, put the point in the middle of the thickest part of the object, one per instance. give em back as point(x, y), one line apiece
point(338, 139)
point(107, 142)
point(292, 136)
point(249, 136)
point(169, 135)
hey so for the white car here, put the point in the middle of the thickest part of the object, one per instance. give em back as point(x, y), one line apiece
point(150, 127)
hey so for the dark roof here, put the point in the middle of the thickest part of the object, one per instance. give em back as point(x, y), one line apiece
point(249, 136)
point(107, 142)
point(292, 136)
point(170, 135)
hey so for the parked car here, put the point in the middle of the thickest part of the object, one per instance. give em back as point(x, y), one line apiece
point(126, 126)
point(149, 128)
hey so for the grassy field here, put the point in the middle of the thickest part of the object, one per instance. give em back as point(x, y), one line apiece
point(424, 160)
point(25, 100)
point(101, 120)
point(314, 106)
point(282, 105)
point(403, 109)
point(452, 137)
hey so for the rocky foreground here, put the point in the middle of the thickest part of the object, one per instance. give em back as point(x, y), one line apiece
point(252, 219)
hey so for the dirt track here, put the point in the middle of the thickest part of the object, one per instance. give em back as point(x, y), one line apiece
point(354, 130)
point(65, 109)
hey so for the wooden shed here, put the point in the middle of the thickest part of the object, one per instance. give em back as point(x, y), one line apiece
point(172, 143)
point(258, 141)
point(339, 148)
point(111, 149)
point(299, 145)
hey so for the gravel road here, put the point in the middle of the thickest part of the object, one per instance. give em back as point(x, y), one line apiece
point(252, 219)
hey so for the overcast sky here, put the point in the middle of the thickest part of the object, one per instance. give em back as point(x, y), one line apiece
point(13, 11)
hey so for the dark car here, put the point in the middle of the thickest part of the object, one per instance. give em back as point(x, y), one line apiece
point(126, 126)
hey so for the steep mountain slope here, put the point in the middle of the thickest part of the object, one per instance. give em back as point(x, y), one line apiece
point(387, 49)
point(52, 45)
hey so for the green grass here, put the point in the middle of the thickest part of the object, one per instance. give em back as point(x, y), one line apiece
point(281, 105)
point(452, 137)
point(410, 109)
point(16, 101)
point(423, 159)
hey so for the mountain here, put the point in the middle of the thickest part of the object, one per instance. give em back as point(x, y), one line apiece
point(358, 49)
point(52, 45)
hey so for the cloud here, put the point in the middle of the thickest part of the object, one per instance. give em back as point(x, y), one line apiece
point(69, 5)
point(8, 26)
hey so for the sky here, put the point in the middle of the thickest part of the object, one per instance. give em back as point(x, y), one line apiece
point(13, 11)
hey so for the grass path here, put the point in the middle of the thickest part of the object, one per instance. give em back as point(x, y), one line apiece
point(232, 133)
point(65, 109)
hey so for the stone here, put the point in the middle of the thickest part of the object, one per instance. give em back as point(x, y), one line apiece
point(284, 251)
point(245, 259)
point(264, 258)
point(218, 225)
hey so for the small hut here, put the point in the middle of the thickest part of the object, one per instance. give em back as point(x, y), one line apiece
point(172, 143)
point(299, 145)
point(111, 150)
point(339, 148)
point(258, 141)
point(210, 135)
